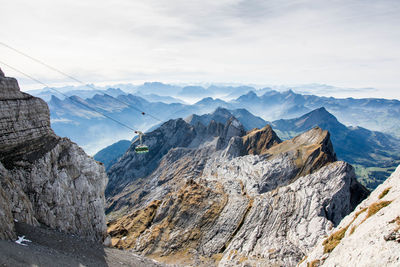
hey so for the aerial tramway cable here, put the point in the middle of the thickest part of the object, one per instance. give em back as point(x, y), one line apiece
point(73, 100)
point(74, 79)
point(139, 149)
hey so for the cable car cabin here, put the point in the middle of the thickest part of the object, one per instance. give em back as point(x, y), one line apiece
point(141, 149)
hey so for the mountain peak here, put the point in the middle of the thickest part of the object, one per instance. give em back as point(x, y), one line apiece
point(221, 111)
point(205, 100)
point(314, 150)
point(318, 117)
point(9, 88)
point(251, 93)
point(251, 96)
point(321, 110)
point(258, 141)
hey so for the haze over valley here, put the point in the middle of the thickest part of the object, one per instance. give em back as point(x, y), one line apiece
point(200, 133)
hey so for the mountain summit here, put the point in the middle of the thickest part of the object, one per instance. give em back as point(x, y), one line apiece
point(209, 194)
point(366, 149)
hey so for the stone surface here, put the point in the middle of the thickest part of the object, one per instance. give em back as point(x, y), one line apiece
point(49, 248)
point(284, 223)
point(370, 235)
point(259, 141)
point(229, 198)
point(45, 179)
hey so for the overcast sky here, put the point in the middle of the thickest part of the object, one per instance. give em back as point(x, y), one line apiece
point(345, 43)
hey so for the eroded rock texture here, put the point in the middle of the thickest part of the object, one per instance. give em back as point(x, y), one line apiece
point(45, 179)
point(215, 195)
point(369, 236)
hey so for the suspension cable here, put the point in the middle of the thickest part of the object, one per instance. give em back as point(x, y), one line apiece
point(75, 79)
point(70, 98)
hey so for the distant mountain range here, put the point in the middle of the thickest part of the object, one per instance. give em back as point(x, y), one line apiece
point(164, 102)
point(374, 155)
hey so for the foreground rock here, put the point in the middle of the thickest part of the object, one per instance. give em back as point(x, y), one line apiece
point(369, 236)
point(45, 179)
point(49, 248)
point(216, 195)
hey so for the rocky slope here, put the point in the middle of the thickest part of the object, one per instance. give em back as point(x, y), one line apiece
point(209, 195)
point(45, 179)
point(49, 248)
point(375, 155)
point(369, 236)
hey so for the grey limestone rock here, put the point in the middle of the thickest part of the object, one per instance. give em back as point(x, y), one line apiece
point(284, 224)
point(207, 198)
point(370, 234)
point(45, 179)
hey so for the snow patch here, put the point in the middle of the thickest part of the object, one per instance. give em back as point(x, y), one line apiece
point(22, 239)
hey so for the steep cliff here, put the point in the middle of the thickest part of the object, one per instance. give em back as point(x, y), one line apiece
point(45, 179)
point(369, 236)
point(218, 195)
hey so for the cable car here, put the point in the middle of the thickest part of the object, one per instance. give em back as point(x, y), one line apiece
point(140, 149)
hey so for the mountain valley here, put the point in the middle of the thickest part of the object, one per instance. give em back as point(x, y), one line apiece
point(225, 188)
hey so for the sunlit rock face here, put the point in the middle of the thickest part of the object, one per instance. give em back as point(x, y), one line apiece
point(45, 179)
point(216, 195)
point(369, 236)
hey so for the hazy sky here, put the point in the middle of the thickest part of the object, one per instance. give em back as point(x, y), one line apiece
point(345, 43)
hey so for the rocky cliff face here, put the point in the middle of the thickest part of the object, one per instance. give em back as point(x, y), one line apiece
point(369, 236)
point(227, 197)
point(45, 179)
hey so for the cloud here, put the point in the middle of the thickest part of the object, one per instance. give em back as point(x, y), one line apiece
point(350, 43)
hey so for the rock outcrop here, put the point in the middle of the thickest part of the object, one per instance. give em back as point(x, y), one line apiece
point(369, 236)
point(45, 179)
point(217, 195)
point(258, 141)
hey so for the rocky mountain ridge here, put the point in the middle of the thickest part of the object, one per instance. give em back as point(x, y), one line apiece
point(375, 155)
point(213, 194)
point(45, 180)
point(68, 117)
point(369, 236)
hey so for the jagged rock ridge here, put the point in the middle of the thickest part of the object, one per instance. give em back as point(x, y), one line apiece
point(214, 194)
point(45, 179)
point(369, 236)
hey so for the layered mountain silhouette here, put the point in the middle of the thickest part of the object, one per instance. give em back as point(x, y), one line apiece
point(158, 99)
point(374, 154)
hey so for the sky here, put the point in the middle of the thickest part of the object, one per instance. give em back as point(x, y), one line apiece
point(343, 43)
